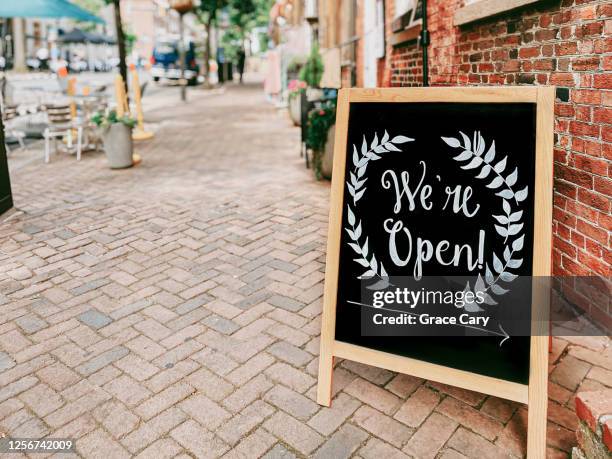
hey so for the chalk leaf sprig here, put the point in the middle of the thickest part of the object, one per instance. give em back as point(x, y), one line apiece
point(356, 188)
point(508, 223)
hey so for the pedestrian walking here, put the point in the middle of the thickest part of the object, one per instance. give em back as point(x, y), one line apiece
point(241, 61)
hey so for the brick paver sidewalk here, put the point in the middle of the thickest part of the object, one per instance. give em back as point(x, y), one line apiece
point(173, 309)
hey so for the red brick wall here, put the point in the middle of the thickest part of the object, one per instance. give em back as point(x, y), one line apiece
point(567, 43)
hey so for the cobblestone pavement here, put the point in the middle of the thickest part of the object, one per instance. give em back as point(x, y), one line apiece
point(173, 309)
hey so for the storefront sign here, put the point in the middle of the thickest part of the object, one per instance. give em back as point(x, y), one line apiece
point(442, 183)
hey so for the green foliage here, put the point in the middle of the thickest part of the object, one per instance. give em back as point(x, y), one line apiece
point(312, 72)
point(130, 40)
point(110, 117)
point(320, 120)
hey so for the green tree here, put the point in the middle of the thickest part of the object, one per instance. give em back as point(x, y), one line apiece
point(207, 15)
point(243, 16)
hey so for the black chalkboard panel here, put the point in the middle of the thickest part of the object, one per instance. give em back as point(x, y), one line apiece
point(443, 191)
point(428, 138)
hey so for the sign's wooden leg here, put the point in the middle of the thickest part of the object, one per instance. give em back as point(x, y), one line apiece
point(326, 369)
point(538, 398)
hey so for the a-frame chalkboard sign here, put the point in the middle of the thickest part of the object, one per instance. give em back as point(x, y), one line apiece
point(498, 143)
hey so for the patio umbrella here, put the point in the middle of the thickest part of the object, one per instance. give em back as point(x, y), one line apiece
point(74, 36)
point(45, 9)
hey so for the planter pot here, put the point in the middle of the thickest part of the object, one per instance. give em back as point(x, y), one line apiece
point(295, 109)
point(327, 160)
point(313, 94)
point(117, 140)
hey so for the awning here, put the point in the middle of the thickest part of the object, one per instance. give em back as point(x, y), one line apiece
point(77, 35)
point(45, 9)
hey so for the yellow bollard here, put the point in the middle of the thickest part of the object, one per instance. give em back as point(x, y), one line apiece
point(121, 97)
point(139, 132)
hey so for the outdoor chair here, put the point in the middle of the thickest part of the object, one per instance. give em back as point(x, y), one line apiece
point(61, 124)
point(9, 115)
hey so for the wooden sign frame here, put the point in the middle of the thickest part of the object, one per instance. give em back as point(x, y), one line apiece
point(535, 393)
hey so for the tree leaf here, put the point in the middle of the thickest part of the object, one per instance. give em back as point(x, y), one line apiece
point(374, 264)
point(511, 179)
point(359, 195)
point(351, 216)
point(363, 161)
point(516, 263)
point(383, 272)
point(463, 156)
point(497, 264)
point(355, 156)
point(500, 166)
point(373, 156)
point(506, 194)
point(472, 307)
point(378, 285)
point(521, 195)
point(498, 290)
point(401, 139)
point(364, 146)
point(489, 300)
point(361, 171)
point(488, 274)
point(389, 146)
point(367, 275)
point(507, 208)
point(484, 172)
point(496, 183)
point(479, 286)
point(385, 138)
point(502, 219)
point(380, 149)
point(466, 141)
point(475, 162)
point(364, 249)
point(358, 231)
point(353, 180)
point(516, 216)
point(374, 142)
point(351, 233)
point(507, 277)
point(351, 189)
point(362, 262)
point(355, 247)
point(501, 230)
point(518, 244)
point(507, 254)
point(514, 229)
point(360, 183)
point(451, 142)
point(490, 154)
point(479, 146)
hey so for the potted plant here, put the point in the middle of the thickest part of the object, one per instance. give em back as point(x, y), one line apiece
point(296, 88)
point(312, 72)
point(320, 138)
point(117, 137)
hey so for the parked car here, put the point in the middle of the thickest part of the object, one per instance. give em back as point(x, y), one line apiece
point(166, 63)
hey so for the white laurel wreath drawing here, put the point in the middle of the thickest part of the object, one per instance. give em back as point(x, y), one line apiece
point(509, 222)
point(356, 188)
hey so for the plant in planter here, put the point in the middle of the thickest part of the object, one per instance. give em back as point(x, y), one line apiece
point(312, 72)
point(294, 66)
point(296, 88)
point(117, 137)
point(320, 121)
